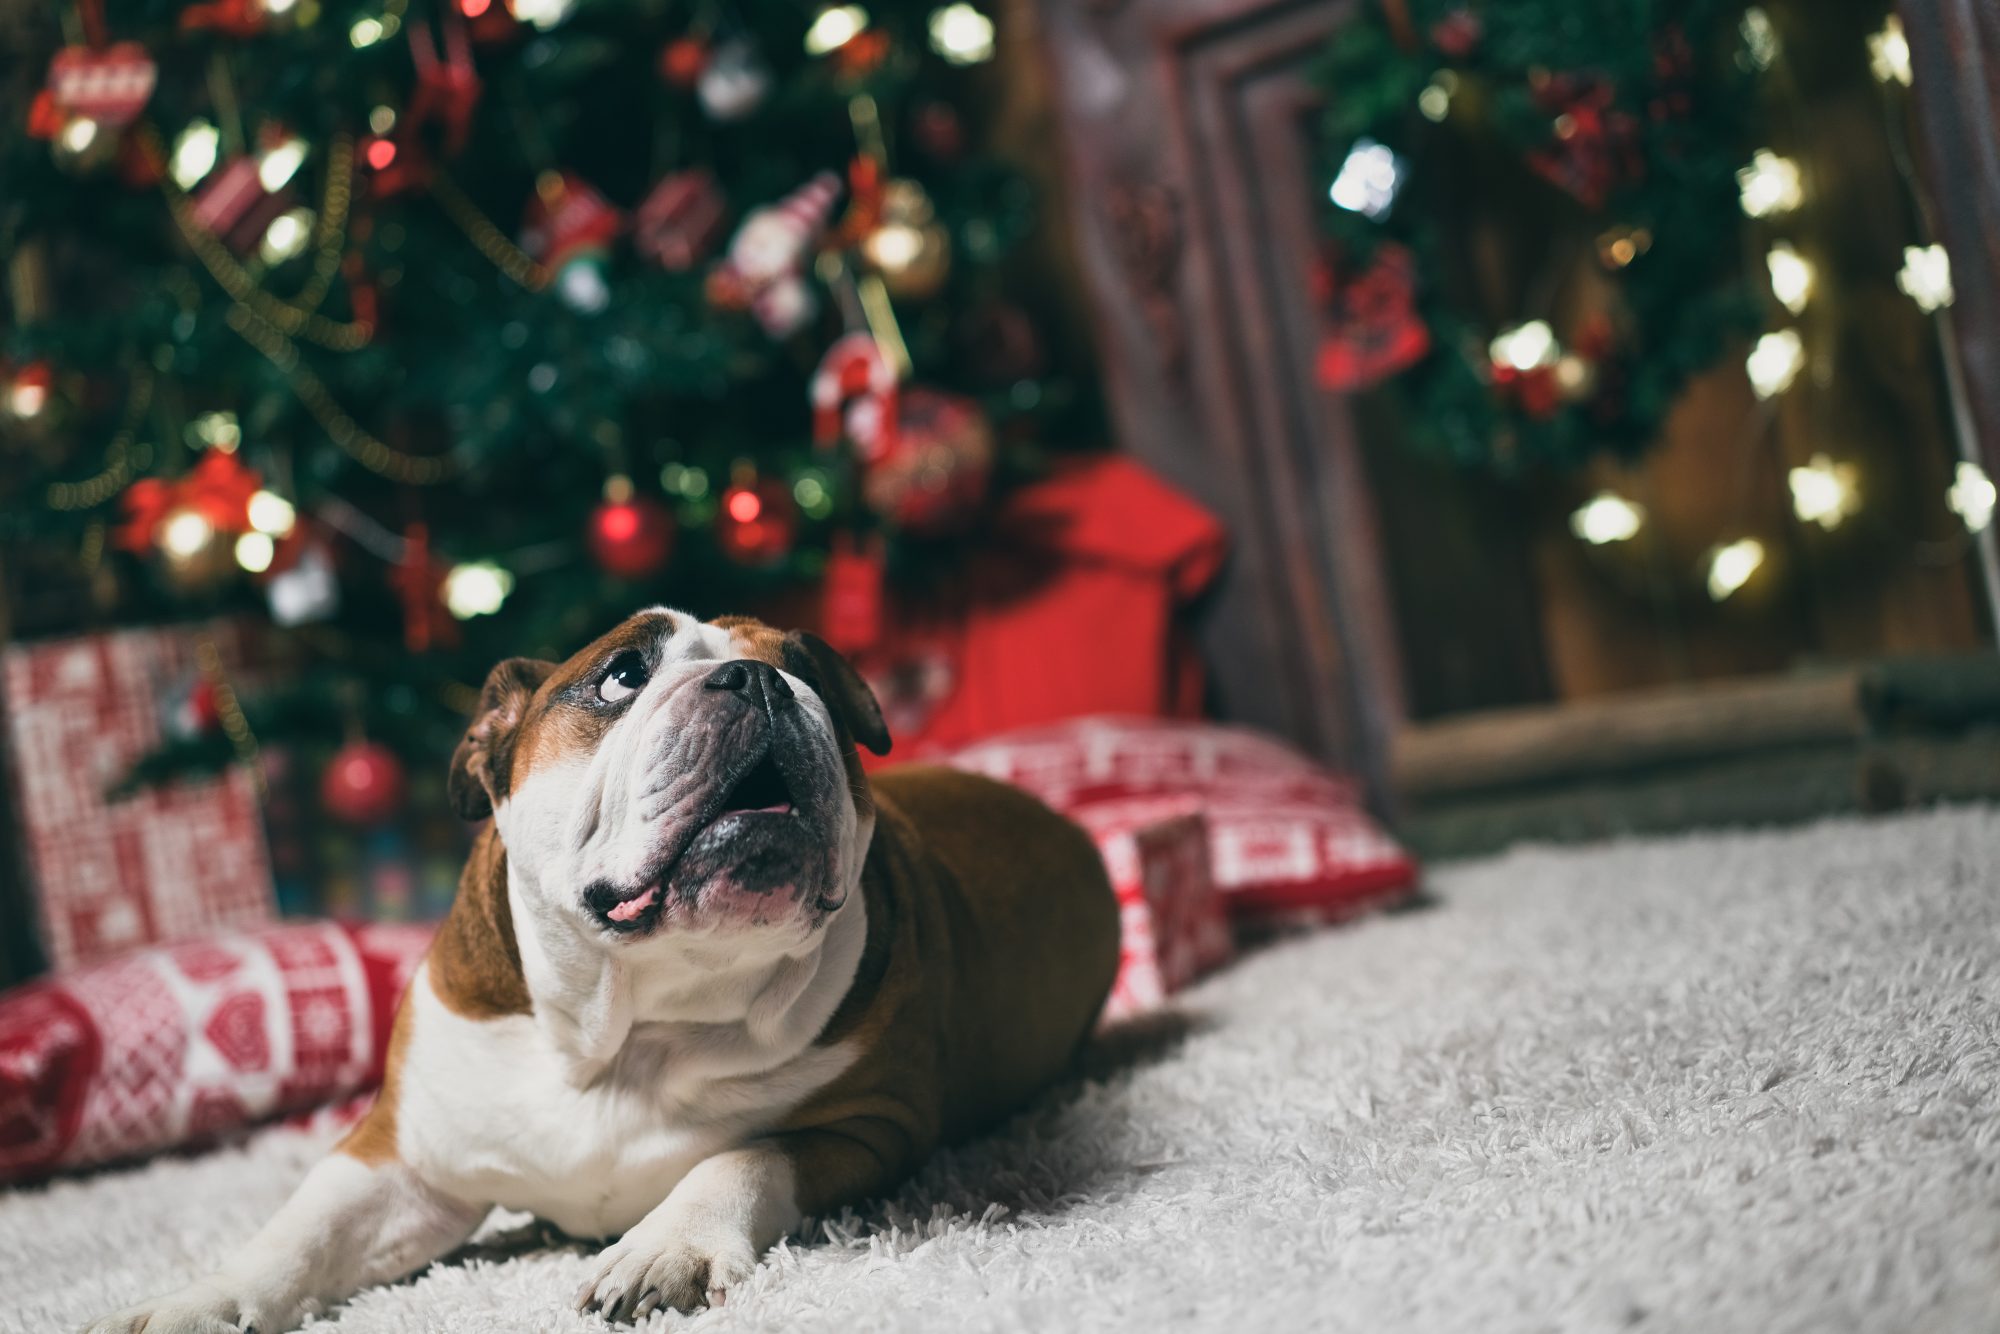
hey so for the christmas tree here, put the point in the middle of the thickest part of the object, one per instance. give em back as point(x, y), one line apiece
point(445, 330)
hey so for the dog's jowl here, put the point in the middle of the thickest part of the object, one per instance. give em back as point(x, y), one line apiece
point(702, 978)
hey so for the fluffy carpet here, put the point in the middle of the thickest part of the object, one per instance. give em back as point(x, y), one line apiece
point(1723, 1082)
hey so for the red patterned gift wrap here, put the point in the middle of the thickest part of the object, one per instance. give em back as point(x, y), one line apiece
point(178, 1044)
point(1171, 927)
point(166, 863)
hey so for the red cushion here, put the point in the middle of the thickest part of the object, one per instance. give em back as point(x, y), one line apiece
point(1286, 834)
point(178, 1043)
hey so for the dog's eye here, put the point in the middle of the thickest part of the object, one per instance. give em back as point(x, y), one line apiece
point(626, 675)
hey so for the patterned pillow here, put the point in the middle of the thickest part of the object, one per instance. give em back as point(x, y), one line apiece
point(1286, 835)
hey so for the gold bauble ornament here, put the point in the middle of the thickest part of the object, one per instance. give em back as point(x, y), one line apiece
point(909, 247)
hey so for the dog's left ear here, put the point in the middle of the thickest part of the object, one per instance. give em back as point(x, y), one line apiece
point(481, 764)
point(846, 694)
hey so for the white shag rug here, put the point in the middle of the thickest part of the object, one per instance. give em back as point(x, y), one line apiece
point(1715, 1083)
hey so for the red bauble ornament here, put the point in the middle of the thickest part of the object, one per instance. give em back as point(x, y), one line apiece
point(758, 522)
point(683, 60)
point(363, 784)
point(631, 538)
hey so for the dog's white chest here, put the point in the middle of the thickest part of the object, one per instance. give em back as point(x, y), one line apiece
point(488, 1112)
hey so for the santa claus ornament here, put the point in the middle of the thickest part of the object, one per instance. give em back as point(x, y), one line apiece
point(568, 230)
point(764, 270)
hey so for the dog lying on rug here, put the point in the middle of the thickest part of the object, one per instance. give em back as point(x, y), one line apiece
point(702, 979)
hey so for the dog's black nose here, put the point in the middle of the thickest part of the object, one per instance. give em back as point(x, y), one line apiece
point(759, 682)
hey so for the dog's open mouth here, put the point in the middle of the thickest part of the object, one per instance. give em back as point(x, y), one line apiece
point(762, 790)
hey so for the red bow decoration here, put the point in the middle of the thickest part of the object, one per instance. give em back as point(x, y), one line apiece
point(447, 90)
point(418, 580)
point(218, 488)
point(1534, 389)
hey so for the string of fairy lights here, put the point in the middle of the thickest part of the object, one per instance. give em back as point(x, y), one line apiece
point(1824, 490)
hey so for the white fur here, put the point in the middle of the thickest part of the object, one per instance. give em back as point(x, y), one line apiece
point(619, 1104)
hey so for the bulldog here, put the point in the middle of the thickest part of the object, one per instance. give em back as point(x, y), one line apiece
point(702, 979)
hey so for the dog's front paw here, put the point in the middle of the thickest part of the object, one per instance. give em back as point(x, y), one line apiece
point(642, 1273)
point(199, 1308)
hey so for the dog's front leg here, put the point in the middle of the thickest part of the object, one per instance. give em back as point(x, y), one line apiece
point(712, 1228)
point(348, 1225)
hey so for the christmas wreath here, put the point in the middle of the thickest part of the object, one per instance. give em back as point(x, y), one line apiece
point(1611, 141)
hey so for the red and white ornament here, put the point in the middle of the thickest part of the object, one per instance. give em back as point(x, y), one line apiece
point(734, 82)
point(764, 269)
point(234, 205)
point(853, 381)
point(363, 784)
point(568, 230)
point(110, 85)
point(678, 223)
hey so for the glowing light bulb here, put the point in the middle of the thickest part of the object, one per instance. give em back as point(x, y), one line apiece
point(27, 396)
point(365, 32)
point(1526, 346)
point(745, 506)
point(1775, 362)
point(1972, 497)
point(79, 134)
point(835, 27)
point(382, 119)
point(1889, 53)
point(477, 588)
point(217, 430)
point(1368, 179)
point(286, 236)
point(1607, 517)
point(1435, 100)
point(185, 534)
point(1823, 492)
point(272, 513)
point(1926, 277)
point(280, 164)
point(1730, 567)
point(1792, 276)
point(961, 34)
point(1770, 185)
point(255, 552)
point(544, 14)
point(1760, 39)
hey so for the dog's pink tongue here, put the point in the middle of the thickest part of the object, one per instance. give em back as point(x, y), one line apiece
point(631, 908)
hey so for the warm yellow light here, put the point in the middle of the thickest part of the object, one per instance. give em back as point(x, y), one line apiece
point(544, 14)
point(272, 513)
point(1823, 492)
point(280, 164)
point(1972, 496)
point(1926, 276)
point(1889, 53)
point(255, 551)
point(194, 153)
point(286, 236)
point(836, 26)
point(1775, 362)
point(961, 34)
point(26, 398)
point(893, 246)
point(1526, 346)
point(1792, 276)
point(476, 589)
point(1730, 567)
point(218, 430)
point(1770, 185)
point(382, 119)
point(1435, 100)
point(185, 533)
point(1760, 39)
point(1607, 517)
point(279, 6)
point(365, 32)
point(79, 134)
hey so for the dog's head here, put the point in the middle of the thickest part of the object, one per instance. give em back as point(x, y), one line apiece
point(677, 776)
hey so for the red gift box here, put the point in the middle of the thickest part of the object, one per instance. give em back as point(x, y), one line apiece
point(168, 862)
point(1171, 924)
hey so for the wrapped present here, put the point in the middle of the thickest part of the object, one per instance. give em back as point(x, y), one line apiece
point(681, 220)
point(181, 1043)
point(1171, 923)
point(167, 862)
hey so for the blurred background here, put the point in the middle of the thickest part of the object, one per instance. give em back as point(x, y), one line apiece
point(1555, 420)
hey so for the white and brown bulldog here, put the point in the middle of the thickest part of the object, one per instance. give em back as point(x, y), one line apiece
point(702, 979)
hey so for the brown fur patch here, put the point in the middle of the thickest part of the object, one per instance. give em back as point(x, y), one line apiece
point(475, 963)
point(551, 727)
point(373, 1140)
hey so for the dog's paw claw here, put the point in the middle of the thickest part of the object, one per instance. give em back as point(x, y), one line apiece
point(633, 1278)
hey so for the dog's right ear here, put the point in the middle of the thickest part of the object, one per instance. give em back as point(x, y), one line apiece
point(480, 766)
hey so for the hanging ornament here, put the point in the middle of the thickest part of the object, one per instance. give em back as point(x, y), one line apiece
point(678, 223)
point(301, 588)
point(938, 131)
point(231, 18)
point(1375, 330)
point(210, 499)
point(109, 86)
point(1596, 146)
point(764, 269)
point(419, 583)
point(1459, 33)
point(909, 247)
point(683, 61)
point(1524, 368)
point(734, 83)
point(851, 591)
point(853, 382)
point(447, 86)
point(629, 535)
point(568, 230)
point(24, 396)
point(239, 201)
point(758, 520)
point(929, 474)
point(363, 784)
